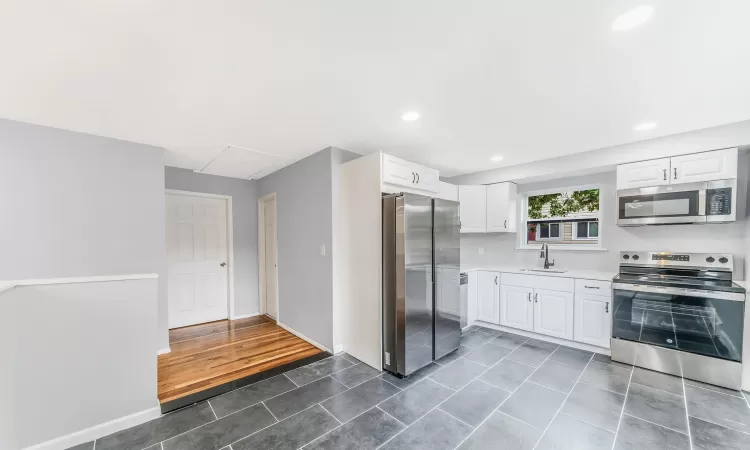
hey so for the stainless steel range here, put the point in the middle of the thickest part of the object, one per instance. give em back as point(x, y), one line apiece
point(679, 313)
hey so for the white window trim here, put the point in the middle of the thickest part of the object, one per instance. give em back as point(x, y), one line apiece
point(587, 238)
point(523, 205)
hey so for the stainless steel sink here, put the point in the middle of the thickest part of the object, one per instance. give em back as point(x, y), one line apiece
point(544, 270)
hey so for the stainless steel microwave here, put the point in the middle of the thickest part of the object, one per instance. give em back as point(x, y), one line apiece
point(707, 202)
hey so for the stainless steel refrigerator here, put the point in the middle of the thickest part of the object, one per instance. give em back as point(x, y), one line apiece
point(421, 276)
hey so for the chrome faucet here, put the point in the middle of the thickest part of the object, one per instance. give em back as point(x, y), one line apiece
point(545, 255)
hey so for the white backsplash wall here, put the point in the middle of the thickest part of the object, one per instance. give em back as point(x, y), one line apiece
point(500, 248)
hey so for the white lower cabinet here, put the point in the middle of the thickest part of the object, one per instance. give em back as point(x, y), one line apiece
point(592, 319)
point(488, 293)
point(553, 313)
point(552, 306)
point(516, 307)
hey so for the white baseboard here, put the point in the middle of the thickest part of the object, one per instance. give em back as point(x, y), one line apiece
point(338, 348)
point(302, 336)
point(164, 351)
point(98, 431)
point(244, 316)
point(544, 337)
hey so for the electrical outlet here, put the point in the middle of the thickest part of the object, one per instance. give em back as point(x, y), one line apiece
point(481, 250)
point(322, 249)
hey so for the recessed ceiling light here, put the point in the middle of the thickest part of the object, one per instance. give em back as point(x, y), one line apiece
point(633, 18)
point(496, 158)
point(644, 126)
point(411, 115)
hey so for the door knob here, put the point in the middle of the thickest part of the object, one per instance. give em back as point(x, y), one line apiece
point(223, 264)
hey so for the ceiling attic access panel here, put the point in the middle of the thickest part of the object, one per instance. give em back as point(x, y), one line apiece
point(240, 162)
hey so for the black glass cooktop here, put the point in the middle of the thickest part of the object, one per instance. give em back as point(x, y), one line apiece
point(706, 283)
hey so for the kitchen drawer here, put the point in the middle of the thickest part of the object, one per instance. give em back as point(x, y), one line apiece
point(593, 287)
point(538, 282)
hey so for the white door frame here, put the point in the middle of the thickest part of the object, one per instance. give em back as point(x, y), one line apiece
point(230, 240)
point(262, 256)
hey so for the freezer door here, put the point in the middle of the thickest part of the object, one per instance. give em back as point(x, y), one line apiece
point(447, 277)
point(418, 281)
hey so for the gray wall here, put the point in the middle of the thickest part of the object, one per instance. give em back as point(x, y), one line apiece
point(500, 248)
point(304, 210)
point(75, 356)
point(245, 230)
point(80, 205)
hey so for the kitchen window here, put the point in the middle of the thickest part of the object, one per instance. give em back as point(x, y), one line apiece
point(564, 218)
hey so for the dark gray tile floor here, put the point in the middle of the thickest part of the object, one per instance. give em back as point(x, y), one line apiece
point(500, 390)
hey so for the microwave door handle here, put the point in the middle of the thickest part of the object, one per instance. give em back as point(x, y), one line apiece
point(665, 174)
point(701, 203)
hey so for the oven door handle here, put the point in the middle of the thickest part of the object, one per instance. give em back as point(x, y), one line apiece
point(719, 295)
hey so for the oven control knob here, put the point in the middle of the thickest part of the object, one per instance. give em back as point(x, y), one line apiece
point(626, 256)
point(723, 260)
point(635, 257)
point(710, 259)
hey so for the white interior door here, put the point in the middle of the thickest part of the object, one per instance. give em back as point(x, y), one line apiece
point(271, 269)
point(196, 259)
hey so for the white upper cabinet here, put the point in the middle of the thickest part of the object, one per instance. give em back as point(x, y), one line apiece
point(707, 166)
point(643, 174)
point(473, 208)
point(501, 207)
point(697, 167)
point(490, 208)
point(488, 296)
point(399, 172)
point(592, 319)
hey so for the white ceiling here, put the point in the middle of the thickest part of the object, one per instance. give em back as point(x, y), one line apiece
point(524, 79)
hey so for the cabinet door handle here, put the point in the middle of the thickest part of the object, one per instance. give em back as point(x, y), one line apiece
point(417, 177)
point(536, 298)
point(665, 174)
point(591, 287)
point(495, 281)
point(413, 177)
point(675, 173)
point(505, 224)
point(606, 308)
point(529, 296)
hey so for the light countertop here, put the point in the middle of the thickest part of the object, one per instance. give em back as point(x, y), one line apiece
point(582, 274)
point(6, 286)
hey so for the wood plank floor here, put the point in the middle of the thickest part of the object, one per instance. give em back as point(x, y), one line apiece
point(211, 354)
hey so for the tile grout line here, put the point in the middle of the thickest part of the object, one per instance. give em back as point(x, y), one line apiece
point(441, 384)
point(687, 415)
point(553, 389)
point(212, 409)
point(269, 410)
point(662, 390)
point(711, 390)
point(390, 415)
point(619, 422)
point(654, 423)
point(331, 414)
point(287, 377)
point(584, 421)
point(446, 412)
point(509, 396)
point(720, 425)
point(490, 384)
point(567, 396)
